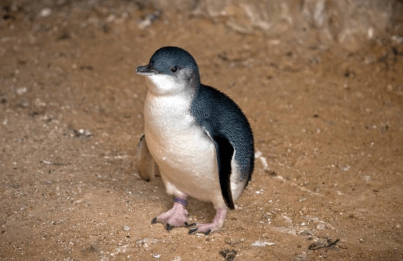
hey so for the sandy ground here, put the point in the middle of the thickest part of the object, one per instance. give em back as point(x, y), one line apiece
point(328, 122)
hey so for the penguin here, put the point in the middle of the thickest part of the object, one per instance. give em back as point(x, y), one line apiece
point(195, 137)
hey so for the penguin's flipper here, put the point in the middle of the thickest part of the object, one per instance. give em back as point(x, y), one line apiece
point(224, 151)
point(146, 166)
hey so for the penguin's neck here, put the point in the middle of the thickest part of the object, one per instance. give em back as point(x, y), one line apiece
point(168, 113)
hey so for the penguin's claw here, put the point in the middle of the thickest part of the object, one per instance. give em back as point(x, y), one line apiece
point(168, 227)
point(190, 225)
point(192, 231)
point(212, 227)
point(195, 230)
point(175, 217)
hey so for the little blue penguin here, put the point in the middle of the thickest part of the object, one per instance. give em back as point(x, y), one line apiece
point(195, 137)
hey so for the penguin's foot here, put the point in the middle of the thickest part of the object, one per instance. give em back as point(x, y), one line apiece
point(175, 217)
point(212, 227)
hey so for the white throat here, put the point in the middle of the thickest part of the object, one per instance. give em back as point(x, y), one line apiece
point(161, 84)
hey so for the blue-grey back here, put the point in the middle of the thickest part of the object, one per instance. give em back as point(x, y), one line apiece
point(218, 114)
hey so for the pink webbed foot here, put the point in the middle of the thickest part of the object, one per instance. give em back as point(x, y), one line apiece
point(212, 227)
point(175, 217)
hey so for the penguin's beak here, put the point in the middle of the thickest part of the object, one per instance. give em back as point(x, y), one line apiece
point(146, 70)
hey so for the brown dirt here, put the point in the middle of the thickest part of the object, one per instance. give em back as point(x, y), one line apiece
point(328, 121)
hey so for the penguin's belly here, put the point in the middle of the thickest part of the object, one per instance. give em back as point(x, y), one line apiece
point(184, 153)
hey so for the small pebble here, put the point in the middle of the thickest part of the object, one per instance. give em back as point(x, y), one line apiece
point(21, 91)
point(320, 226)
point(302, 199)
point(126, 228)
point(259, 243)
point(46, 12)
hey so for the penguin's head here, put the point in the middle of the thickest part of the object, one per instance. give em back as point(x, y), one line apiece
point(171, 70)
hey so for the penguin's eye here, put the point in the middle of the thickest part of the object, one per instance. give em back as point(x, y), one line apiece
point(173, 69)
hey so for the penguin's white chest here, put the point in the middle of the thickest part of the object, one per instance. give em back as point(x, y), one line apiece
point(184, 153)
